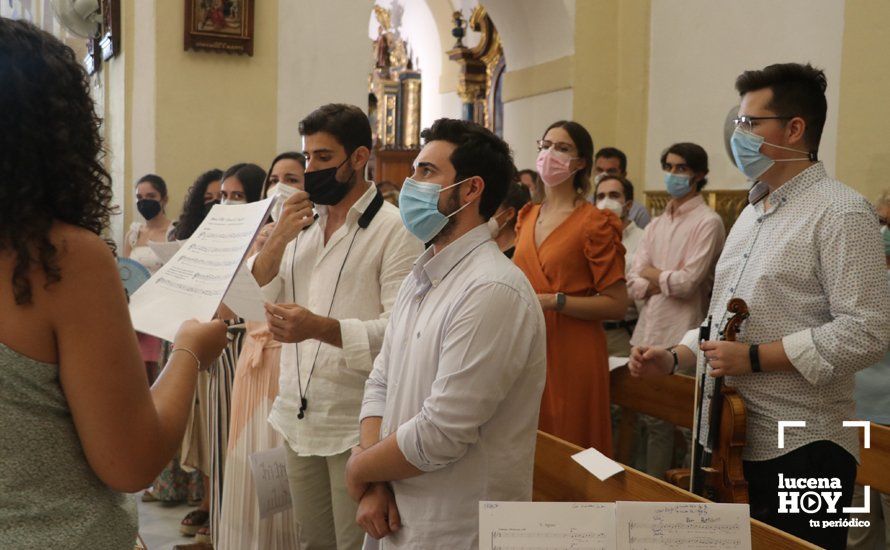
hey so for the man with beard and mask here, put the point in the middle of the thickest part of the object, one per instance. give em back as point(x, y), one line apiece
point(806, 257)
point(450, 410)
point(332, 286)
point(616, 194)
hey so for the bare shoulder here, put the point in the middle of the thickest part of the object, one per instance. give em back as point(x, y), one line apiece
point(81, 256)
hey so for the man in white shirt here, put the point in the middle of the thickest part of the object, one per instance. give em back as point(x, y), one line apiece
point(616, 194)
point(806, 257)
point(332, 288)
point(450, 412)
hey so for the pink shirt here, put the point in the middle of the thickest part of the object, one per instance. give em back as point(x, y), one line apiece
point(684, 243)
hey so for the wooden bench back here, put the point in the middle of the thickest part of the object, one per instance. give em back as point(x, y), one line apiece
point(558, 478)
point(672, 398)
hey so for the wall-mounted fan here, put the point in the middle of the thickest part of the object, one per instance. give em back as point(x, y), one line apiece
point(81, 17)
point(133, 274)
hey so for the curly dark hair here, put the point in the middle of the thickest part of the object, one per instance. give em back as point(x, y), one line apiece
point(194, 210)
point(50, 151)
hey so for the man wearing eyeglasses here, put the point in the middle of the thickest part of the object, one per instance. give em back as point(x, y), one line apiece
point(806, 256)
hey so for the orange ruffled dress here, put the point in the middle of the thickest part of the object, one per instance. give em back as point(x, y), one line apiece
point(581, 257)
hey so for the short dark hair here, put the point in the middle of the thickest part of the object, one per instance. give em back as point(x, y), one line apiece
point(291, 155)
point(798, 91)
point(584, 145)
point(694, 155)
point(251, 177)
point(613, 153)
point(479, 152)
point(527, 172)
point(626, 186)
point(347, 123)
point(517, 196)
point(156, 181)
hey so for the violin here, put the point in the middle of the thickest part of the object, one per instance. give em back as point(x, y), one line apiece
point(717, 472)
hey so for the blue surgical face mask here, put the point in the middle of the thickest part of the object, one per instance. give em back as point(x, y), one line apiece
point(677, 185)
point(748, 158)
point(419, 207)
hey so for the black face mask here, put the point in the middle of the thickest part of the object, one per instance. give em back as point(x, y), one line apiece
point(208, 206)
point(149, 208)
point(324, 187)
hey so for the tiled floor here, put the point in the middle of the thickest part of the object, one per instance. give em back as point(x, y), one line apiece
point(159, 525)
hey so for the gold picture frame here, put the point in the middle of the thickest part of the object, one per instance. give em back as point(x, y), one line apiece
point(219, 25)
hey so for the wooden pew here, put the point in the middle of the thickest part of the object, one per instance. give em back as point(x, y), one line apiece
point(672, 398)
point(558, 478)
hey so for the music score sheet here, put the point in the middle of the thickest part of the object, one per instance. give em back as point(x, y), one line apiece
point(192, 284)
point(550, 525)
point(613, 526)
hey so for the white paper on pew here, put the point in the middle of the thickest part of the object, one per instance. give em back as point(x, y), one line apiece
point(597, 463)
point(617, 362)
point(165, 251)
point(687, 525)
point(192, 284)
point(269, 470)
point(245, 297)
point(546, 525)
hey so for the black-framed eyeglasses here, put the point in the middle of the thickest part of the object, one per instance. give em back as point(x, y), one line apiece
point(747, 123)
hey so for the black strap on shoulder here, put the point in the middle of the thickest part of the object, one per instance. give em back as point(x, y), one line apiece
point(376, 204)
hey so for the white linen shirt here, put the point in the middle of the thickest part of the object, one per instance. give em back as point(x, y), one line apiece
point(812, 271)
point(379, 261)
point(459, 380)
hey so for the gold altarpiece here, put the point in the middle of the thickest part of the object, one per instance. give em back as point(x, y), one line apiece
point(393, 102)
point(728, 203)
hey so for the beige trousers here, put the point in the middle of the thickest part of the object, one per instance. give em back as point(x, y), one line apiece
point(323, 508)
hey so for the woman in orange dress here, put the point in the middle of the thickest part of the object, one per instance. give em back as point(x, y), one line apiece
point(572, 254)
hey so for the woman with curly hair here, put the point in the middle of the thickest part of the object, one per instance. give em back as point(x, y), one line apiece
point(201, 196)
point(74, 389)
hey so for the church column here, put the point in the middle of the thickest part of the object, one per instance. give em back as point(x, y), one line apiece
point(611, 75)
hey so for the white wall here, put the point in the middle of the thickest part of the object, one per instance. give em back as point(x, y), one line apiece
point(525, 120)
point(533, 31)
point(699, 47)
point(324, 56)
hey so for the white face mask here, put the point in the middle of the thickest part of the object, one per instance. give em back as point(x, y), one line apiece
point(494, 227)
point(232, 202)
point(281, 192)
point(612, 205)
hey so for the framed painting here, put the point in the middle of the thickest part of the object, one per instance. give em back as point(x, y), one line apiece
point(219, 25)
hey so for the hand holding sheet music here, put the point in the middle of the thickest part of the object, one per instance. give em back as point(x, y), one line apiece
point(192, 284)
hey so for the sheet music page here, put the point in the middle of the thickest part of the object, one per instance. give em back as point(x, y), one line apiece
point(245, 297)
point(165, 251)
point(192, 284)
point(546, 525)
point(617, 362)
point(682, 525)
